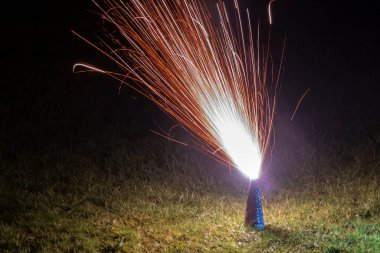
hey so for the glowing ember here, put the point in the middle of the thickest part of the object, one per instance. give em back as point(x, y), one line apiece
point(212, 81)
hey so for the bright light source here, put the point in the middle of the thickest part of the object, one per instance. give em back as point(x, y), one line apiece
point(234, 135)
point(241, 148)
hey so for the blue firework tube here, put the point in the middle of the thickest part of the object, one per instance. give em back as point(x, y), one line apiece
point(254, 212)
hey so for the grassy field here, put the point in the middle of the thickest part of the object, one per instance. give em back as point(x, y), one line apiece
point(107, 193)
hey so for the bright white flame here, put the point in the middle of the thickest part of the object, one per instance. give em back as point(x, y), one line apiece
point(242, 149)
point(232, 131)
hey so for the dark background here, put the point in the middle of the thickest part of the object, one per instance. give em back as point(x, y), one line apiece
point(331, 49)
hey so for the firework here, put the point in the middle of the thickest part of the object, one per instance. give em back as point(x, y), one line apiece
point(213, 81)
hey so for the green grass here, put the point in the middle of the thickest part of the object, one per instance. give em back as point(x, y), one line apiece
point(148, 195)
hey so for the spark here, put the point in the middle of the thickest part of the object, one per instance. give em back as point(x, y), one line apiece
point(170, 139)
point(213, 83)
point(87, 67)
point(270, 11)
point(299, 102)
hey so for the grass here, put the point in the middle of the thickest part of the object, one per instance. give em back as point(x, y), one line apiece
point(107, 193)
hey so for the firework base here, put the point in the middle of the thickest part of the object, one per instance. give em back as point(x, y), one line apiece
point(254, 213)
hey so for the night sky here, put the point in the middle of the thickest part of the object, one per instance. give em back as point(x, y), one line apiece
point(331, 50)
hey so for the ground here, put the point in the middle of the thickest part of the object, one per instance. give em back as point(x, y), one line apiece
point(109, 193)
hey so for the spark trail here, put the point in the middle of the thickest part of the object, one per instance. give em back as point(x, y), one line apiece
point(213, 81)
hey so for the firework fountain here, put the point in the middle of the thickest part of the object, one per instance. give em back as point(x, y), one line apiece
point(214, 82)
